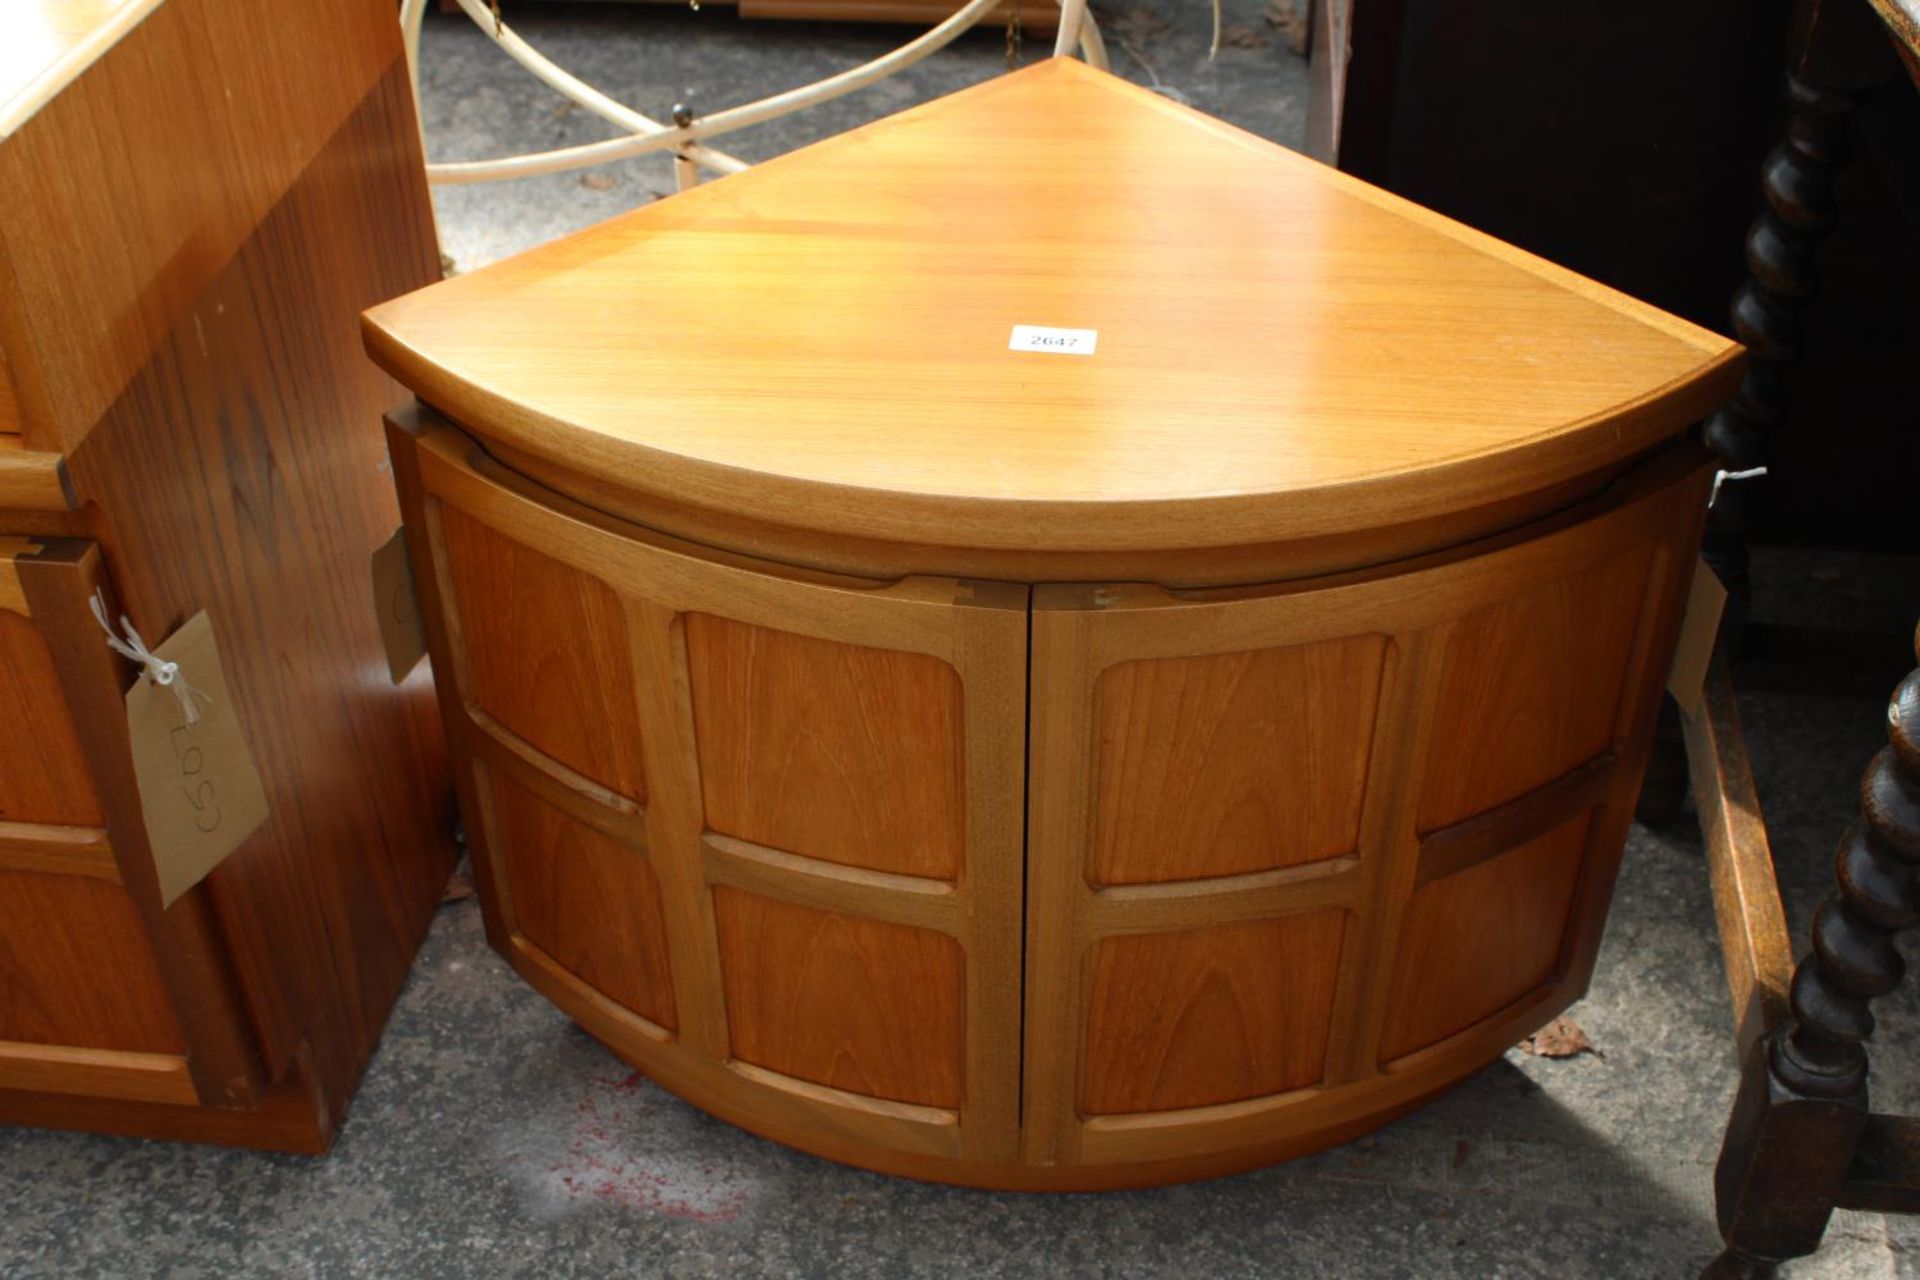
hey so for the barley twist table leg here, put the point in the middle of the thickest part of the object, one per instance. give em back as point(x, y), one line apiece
point(1803, 1093)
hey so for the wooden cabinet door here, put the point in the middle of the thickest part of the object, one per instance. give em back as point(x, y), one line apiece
point(1299, 855)
point(102, 992)
point(760, 830)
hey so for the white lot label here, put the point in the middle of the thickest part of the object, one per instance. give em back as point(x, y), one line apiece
point(1060, 342)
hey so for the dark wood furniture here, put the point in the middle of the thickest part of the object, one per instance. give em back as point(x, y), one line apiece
point(1802, 1139)
point(199, 197)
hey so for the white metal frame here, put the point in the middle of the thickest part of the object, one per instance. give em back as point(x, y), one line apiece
point(687, 142)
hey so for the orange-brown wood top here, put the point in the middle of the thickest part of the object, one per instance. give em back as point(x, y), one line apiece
point(1282, 351)
point(44, 44)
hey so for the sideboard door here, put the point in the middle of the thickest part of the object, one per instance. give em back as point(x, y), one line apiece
point(1339, 837)
point(104, 992)
point(759, 829)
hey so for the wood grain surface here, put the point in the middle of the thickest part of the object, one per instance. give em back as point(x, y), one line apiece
point(1172, 1027)
point(1284, 863)
point(871, 1008)
point(9, 403)
point(43, 775)
point(192, 224)
point(51, 42)
point(795, 975)
point(58, 850)
point(1487, 970)
point(97, 1073)
point(1480, 939)
point(76, 969)
point(1283, 352)
point(1211, 1015)
point(1531, 688)
point(549, 654)
point(189, 467)
point(32, 481)
point(1231, 763)
point(587, 902)
point(162, 171)
point(1756, 945)
point(835, 751)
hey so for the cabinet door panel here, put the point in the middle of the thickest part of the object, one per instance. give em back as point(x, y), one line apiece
point(1299, 853)
point(102, 993)
point(43, 775)
point(832, 806)
point(844, 752)
point(1210, 1015)
point(75, 968)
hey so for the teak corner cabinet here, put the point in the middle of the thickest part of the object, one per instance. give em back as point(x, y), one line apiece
point(1035, 770)
point(197, 200)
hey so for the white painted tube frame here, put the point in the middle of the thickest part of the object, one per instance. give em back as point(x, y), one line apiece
point(648, 135)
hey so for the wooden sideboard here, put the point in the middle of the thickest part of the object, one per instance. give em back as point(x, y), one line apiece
point(1045, 770)
point(200, 196)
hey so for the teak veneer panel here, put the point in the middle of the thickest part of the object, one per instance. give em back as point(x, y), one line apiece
point(10, 417)
point(1171, 1027)
point(230, 476)
point(50, 42)
point(548, 653)
point(43, 773)
point(111, 1074)
point(1231, 763)
point(1531, 688)
point(76, 969)
point(860, 1005)
point(131, 190)
point(587, 901)
point(191, 224)
point(1623, 555)
point(1479, 939)
point(1213, 1015)
point(798, 979)
point(835, 751)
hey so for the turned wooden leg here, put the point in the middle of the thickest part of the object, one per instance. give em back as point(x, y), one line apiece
point(1803, 1093)
point(1797, 181)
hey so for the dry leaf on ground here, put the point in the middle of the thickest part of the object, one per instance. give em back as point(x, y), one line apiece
point(459, 887)
point(1561, 1038)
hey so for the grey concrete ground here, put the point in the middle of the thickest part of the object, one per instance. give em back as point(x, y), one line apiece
point(491, 1138)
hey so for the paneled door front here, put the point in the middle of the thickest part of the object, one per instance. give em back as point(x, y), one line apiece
point(1298, 855)
point(759, 829)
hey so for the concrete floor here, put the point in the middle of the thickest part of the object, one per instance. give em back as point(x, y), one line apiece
point(492, 1138)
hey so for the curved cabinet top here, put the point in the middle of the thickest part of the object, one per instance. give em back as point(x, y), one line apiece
point(824, 341)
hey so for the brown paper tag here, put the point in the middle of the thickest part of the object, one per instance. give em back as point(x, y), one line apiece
point(199, 791)
point(1706, 598)
point(397, 605)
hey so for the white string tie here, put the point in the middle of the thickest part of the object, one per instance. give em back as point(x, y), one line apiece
point(153, 666)
point(1721, 477)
